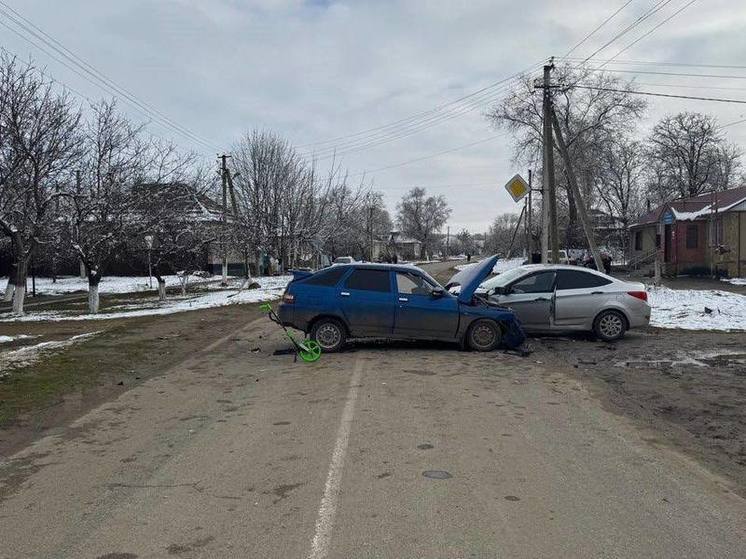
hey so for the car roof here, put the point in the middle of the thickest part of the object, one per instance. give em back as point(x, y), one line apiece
point(537, 267)
point(379, 266)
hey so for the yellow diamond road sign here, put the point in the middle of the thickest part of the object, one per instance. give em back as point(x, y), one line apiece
point(517, 188)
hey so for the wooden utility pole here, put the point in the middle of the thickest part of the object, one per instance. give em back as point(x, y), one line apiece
point(223, 234)
point(587, 227)
point(528, 219)
point(549, 193)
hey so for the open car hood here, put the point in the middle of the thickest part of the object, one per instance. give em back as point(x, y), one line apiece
point(470, 277)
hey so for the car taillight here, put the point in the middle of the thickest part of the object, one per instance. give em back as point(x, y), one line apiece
point(641, 295)
point(288, 298)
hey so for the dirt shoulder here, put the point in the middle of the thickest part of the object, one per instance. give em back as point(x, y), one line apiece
point(688, 387)
point(36, 399)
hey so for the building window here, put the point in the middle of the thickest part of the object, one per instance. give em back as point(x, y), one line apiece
point(638, 240)
point(692, 236)
point(716, 232)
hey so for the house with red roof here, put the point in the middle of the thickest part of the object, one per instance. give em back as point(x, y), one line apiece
point(705, 234)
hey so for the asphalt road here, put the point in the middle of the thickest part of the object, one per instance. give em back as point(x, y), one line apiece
point(241, 453)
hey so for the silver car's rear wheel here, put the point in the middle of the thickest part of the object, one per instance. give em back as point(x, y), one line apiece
point(609, 326)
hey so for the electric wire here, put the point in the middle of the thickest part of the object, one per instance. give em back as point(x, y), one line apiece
point(604, 22)
point(655, 9)
point(650, 32)
point(90, 74)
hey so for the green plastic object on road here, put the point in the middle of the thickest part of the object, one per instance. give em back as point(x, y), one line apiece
point(308, 350)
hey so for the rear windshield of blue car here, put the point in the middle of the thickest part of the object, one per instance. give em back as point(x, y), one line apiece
point(329, 277)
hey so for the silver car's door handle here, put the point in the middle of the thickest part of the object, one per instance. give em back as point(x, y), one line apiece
point(344, 293)
point(403, 299)
point(541, 299)
point(597, 292)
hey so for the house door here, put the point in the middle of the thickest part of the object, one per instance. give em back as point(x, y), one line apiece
point(667, 242)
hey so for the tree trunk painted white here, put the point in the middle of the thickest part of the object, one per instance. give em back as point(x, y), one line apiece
point(93, 298)
point(9, 289)
point(18, 296)
point(162, 289)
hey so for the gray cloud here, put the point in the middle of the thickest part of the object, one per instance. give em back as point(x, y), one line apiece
point(318, 69)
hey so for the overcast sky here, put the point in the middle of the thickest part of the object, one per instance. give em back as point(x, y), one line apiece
point(314, 70)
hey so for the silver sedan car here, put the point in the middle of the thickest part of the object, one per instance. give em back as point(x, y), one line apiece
point(553, 298)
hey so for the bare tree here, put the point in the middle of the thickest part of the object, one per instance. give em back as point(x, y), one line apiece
point(501, 233)
point(38, 145)
point(589, 106)
point(691, 156)
point(420, 215)
point(121, 192)
point(620, 180)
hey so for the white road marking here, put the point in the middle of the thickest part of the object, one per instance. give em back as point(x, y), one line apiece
point(325, 519)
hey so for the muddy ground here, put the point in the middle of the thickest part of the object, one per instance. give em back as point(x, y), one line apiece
point(38, 399)
point(688, 388)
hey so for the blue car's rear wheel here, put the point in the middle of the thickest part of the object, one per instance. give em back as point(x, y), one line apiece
point(329, 333)
point(483, 335)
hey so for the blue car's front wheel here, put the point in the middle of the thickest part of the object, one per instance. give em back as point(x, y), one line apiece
point(483, 335)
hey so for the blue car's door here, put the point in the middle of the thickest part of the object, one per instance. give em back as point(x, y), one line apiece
point(419, 313)
point(367, 300)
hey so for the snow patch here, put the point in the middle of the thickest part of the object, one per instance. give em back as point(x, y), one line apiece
point(25, 356)
point(500, 266)
point(271, 288)
point(735, 281)
point(111, 284)
point(685, 309)
point(8, 339)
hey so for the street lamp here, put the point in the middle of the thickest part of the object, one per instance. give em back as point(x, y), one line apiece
point(149, 244)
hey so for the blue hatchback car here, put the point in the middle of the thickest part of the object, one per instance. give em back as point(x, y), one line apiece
point(364, 300)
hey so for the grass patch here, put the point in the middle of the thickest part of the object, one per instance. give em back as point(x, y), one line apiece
point(74, 369)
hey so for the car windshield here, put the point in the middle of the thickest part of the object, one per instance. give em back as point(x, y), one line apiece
point(503, 279)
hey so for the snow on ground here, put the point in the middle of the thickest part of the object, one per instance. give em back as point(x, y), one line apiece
point(109, 284)
point(685, 309)
point(8, 339)
point(29, 355)
point(735, 281)
point(501, 265)
point(271, 288)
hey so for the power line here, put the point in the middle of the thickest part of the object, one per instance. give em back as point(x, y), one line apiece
point(660, 63)
point(651, 31)
point(687, 86)
point(426, 113)
point(406, 131)
point(431, 156)
point(656, 73)
point(671, 95)
point(655, 9)
point(417, 123)
point(91, 74)
point(604, 22)
point(733, 123)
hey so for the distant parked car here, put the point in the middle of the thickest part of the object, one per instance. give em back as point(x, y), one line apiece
point(563, 257)
point(344, 260)
point(365, 300)
point(551, 298)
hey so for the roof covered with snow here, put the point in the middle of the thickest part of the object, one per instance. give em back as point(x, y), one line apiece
point(697, 207)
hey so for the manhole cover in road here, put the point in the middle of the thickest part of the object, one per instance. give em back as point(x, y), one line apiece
point(437, 474)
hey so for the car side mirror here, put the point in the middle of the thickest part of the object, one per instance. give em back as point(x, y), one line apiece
point(438, 292)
